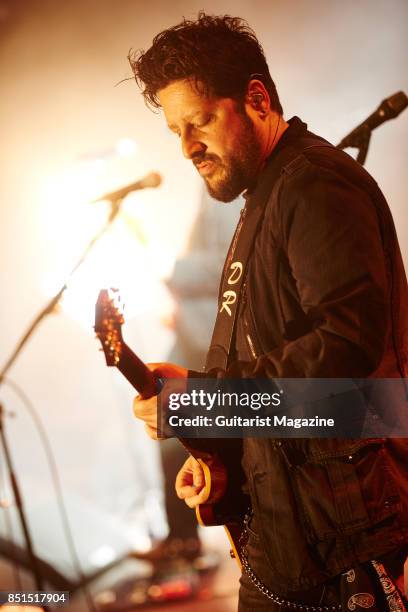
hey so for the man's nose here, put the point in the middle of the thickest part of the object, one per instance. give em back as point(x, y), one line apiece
point(190, 146)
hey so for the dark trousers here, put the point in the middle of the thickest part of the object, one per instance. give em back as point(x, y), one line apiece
point(336, 592)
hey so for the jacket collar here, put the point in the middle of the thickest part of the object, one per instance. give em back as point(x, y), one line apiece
point(275, 163)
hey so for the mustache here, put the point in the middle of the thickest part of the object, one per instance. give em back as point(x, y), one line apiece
point(199, 158)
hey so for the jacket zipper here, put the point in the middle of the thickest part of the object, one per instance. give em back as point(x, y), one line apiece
point(251, 345)
point(250, 342)
point(236, 235)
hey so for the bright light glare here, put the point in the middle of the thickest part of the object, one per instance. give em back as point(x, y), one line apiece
point(126, 147)
point(102, 556)
point(116, 261)
point(98, 165)
point(127, 257)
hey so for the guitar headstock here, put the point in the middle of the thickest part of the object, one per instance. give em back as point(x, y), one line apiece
point(108, 324)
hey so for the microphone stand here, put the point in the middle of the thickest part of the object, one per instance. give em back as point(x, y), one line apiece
point(20, 507)
point(360, 139)
point(48, 309)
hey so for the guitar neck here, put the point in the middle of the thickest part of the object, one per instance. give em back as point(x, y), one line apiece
point(137, 373)
point(144, 381)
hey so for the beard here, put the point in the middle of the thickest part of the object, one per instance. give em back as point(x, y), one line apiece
point(237, 171)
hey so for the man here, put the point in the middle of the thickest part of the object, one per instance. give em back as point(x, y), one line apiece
point(321, 294)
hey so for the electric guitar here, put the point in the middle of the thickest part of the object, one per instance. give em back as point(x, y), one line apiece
point(108, 328)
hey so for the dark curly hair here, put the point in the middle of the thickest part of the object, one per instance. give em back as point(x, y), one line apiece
point(221, 54)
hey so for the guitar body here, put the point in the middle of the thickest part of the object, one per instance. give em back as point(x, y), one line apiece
point(209, 515)
point(108, 323)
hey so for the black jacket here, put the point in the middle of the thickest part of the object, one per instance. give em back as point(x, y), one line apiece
point(325, 296)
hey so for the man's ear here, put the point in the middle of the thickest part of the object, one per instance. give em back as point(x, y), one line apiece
point(258, 97)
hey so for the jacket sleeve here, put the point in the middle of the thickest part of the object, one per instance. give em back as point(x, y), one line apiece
point(330, 234)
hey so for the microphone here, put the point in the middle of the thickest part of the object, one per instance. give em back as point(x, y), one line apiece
point(389, 109)
point(150, 180)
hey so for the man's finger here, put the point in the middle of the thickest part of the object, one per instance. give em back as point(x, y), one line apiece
point(137, 406)
point(198, 477)
point(143, 408)
point(153, 366)
point(151, 432)
point(196, 500)
point(187, 491)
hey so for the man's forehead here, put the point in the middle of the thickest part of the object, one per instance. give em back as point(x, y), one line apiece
point(184, 98)
point(185, 87)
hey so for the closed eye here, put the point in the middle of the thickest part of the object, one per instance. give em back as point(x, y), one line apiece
point(198, 125)
point(204, 121)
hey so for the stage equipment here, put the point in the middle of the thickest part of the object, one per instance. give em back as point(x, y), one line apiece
point(149, 181)
point(360, 137)
point(20, 507)
point(116, 197)
point(102, 543)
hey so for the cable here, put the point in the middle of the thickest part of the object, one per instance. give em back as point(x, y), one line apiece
point(9, 530)
point(57, 485)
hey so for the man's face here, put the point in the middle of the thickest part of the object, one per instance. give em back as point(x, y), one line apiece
point(216, 135)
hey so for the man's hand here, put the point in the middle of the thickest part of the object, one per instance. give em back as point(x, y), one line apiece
point(146, 409)
point(191, 482)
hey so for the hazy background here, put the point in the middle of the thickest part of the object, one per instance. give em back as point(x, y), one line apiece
point(68, 134)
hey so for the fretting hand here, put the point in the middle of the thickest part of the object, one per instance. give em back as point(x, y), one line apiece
point(146, 409)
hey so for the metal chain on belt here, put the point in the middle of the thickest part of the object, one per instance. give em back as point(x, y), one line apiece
point(280, 601)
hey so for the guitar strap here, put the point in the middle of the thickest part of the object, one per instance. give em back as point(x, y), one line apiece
point(231, 286)
point(235, 267)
